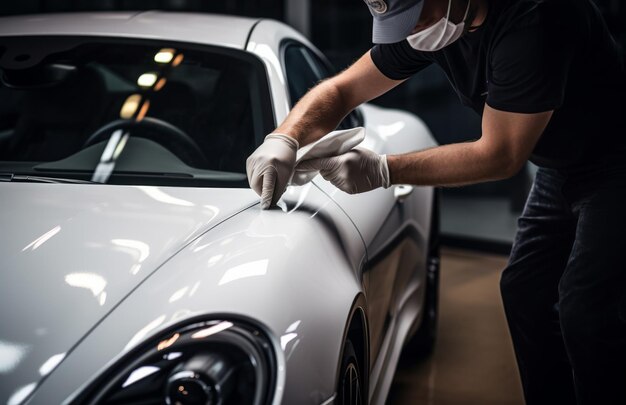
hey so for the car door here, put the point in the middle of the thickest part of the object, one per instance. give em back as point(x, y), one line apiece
point(384, 217)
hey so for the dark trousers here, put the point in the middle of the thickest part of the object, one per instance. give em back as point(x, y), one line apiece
point(564, 289)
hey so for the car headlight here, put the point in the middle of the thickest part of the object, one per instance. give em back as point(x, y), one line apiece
point(209, 363)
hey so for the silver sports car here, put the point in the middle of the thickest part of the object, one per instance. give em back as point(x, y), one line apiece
point(136, 264)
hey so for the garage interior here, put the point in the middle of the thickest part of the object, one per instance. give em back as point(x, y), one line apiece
point(342, 31)
point(473, 361)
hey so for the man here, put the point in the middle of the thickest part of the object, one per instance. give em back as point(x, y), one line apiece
point(548, 81)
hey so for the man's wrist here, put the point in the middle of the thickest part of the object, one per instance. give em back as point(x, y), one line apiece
point(286, 137)
point(384, 172)
point(392, 167)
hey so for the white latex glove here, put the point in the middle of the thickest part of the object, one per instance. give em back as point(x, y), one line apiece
point(356, 171)
point(333, 144)
point(270, 167)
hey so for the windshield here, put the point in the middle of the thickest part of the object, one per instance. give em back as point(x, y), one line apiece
point(129, 111)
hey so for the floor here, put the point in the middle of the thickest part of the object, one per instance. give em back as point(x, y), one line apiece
point(473, 362)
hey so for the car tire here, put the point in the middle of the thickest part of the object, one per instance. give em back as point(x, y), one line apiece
point(422, 343)
point(350, 386)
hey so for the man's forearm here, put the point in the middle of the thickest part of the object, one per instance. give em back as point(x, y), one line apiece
point(451, 165)
point(324, 106)
point(316, 114)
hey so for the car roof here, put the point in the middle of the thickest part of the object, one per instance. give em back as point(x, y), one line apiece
point(209, 29)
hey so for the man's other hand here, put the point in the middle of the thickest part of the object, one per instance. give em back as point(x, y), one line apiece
point(356, 171)
point(271, 166)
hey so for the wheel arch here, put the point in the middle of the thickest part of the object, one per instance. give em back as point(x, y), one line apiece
point(357, 331)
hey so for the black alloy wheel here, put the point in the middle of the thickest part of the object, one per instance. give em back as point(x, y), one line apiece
point(350, 390)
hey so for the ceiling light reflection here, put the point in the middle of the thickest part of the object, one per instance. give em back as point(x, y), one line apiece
point(134, 269)
point(214, 259)
point(165, 55)
point(43, 238)
point(113, 149)
point(138, 249)
point(143, 110)
point(290, 335)
point(178, 60)
point(194, 289)
point(178, 294)
point(301, 198)
point(159, 85)
point(293, 326)
point(147, 79)
point(139, 374)
point(51, 364)
point(285, 339)
point(102, 299)
point(11, 355)
point(226, 241)
point(21, 394)
point(251, 269)
point(130, 106)
point(119, 148)
point(214, 211)
point(109, 149)
point(222, 326)
point(202, 247)
point(91, 281)
point(143, 332)
point(172, 355)
point(164, 344)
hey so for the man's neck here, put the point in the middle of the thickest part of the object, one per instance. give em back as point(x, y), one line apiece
point(479, 10)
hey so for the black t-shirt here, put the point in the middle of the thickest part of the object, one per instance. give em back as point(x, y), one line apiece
point(532, 56)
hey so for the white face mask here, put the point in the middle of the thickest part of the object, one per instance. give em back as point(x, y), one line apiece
point(438, 35)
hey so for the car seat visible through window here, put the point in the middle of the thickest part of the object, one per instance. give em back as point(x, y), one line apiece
point(55, 121)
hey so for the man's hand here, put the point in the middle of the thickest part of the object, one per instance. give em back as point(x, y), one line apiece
point(270, 167)
point(356, 171)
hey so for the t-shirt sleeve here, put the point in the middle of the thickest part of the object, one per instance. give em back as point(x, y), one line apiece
point(399, 61)
point(530, 66)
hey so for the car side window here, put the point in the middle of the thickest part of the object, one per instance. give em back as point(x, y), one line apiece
point(304, 70)
point(302, 73)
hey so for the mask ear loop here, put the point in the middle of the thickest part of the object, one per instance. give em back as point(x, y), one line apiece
point(447, 18)
point(449, 10)
point(448, 22)
point(466, 11)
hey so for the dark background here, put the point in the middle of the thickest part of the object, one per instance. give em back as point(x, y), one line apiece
point(342, 30)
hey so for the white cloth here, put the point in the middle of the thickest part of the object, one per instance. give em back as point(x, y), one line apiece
point(333, 144)
point(356, 171)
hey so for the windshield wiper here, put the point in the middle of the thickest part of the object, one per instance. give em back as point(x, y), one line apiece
point(40, 179)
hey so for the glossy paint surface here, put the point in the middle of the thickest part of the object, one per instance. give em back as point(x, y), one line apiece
point(206, 29)
point(280, 267)
point(394, 224)
point(75, 251)
point(395, 228)
point(142, 259)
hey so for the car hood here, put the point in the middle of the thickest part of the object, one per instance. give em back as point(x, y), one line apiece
point(72, 253)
